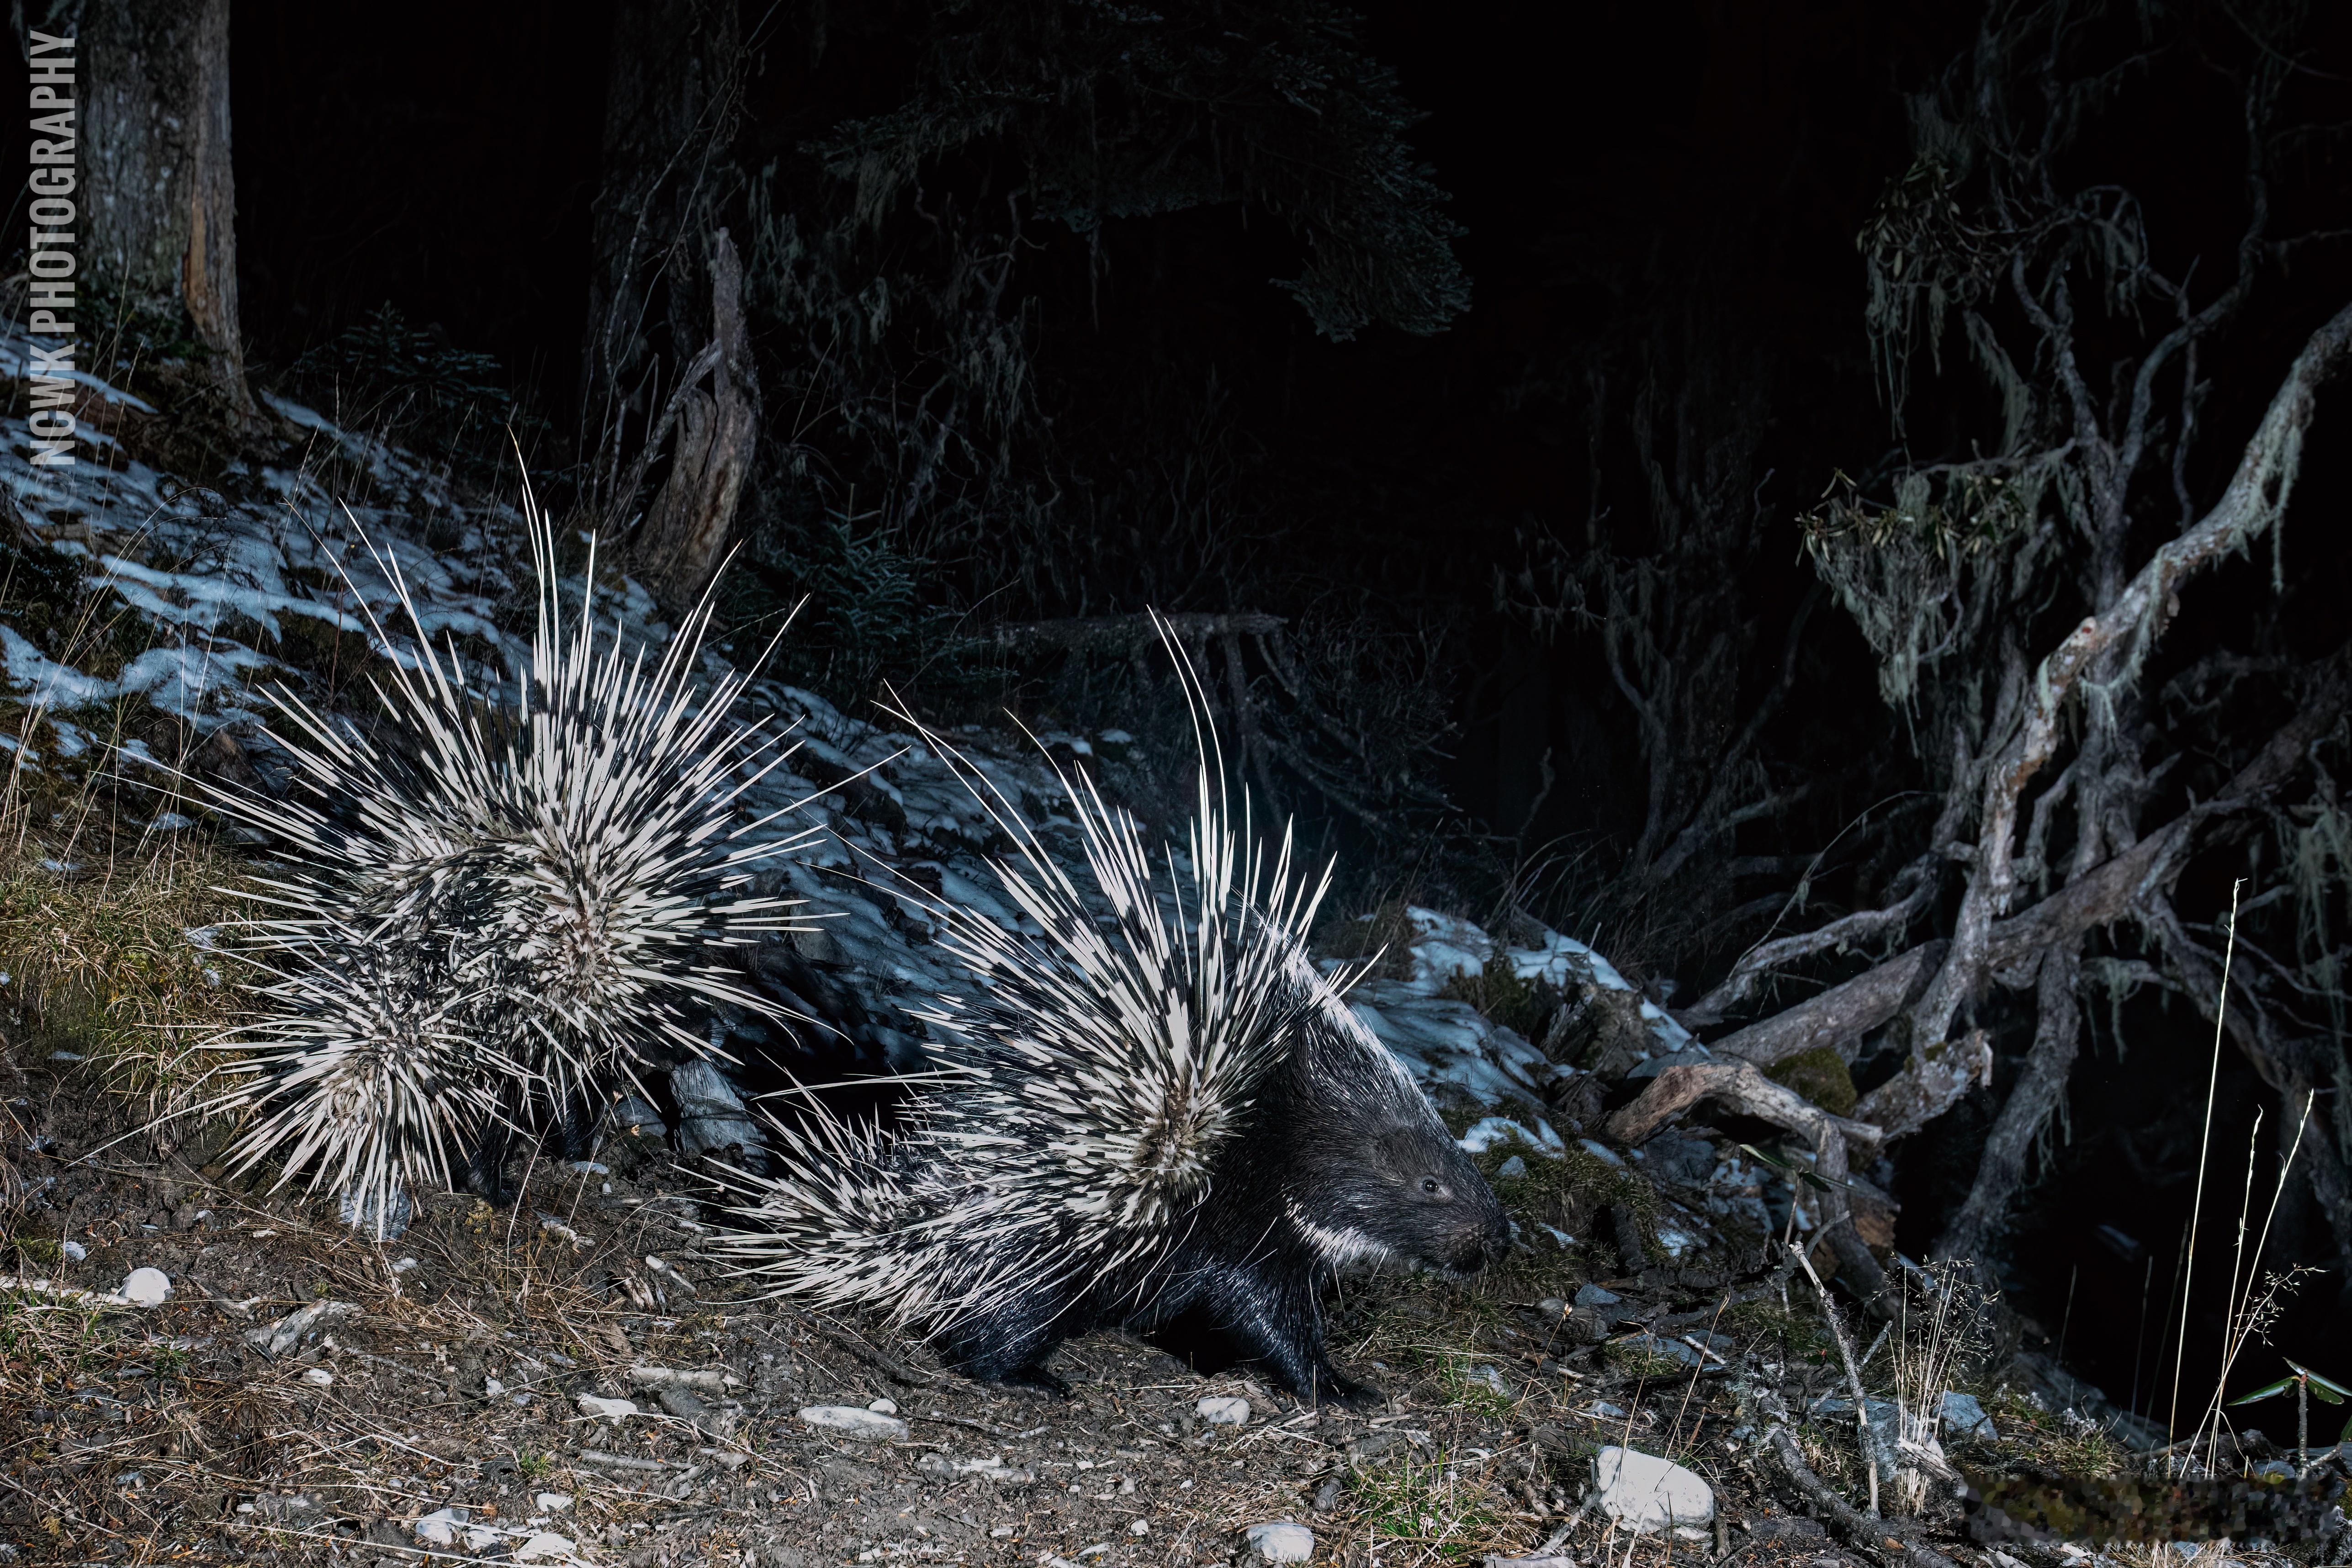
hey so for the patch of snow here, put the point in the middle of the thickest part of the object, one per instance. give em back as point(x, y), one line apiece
point(1487, 1131)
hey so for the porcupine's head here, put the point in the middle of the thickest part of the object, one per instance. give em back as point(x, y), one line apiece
point(1368, 1171)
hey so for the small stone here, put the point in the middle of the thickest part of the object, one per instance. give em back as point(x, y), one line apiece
point(1223, 1410)
point(551, 1503)
point(147, 1287)
point(1646, 1493)
point(1279, 1541)
point(1511, 1169)
point(1964, 1416)
point(1594, 1296)
point(614, 1410)
point(1139, 1527)
point(542, 1546)
point(681, 1403)
point(884, 1407)
point(74, 1250)
point(440, 1527)
point(319, 1377)
point(861, 1425)
point(277, 1337)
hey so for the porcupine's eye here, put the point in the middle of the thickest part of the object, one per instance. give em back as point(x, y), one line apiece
point(1433, 1190)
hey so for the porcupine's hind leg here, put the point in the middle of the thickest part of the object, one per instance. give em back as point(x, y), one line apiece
point(1279, 1320)
point(1011, 1344)
point(486, 1167)
point(575, 1130)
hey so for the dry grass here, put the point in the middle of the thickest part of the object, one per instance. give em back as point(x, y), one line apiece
point(1426, 1510)
point(99, 960)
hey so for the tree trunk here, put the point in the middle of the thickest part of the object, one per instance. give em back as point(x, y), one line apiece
point(671, 107)
point(681, 542)
point(2031, 1104)
point(159, 221)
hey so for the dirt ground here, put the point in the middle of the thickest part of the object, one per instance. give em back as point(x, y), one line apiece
point(309, 1395)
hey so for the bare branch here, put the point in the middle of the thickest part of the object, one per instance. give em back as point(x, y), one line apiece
point(1840, 1014)
point(2117, 638)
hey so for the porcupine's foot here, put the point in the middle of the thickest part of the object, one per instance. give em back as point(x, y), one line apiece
point(1281, 1330)
point(1330, 1387)
point(1008, 1348)
point(485, 1171)
point(1036, 1381)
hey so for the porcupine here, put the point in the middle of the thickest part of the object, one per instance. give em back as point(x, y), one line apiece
point(1173, 1126)
point(490, 918)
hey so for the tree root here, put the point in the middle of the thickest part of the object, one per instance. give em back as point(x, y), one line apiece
point(1887, 1537)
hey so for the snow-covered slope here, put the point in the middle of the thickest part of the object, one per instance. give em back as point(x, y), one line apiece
point(216, 581)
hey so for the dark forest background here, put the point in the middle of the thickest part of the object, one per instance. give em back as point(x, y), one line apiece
point(1662, 449)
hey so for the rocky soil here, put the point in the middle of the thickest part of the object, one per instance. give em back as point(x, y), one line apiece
point(568, 1380)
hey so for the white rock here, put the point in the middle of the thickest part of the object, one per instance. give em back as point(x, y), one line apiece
point(1279, 1541)
point(74, 1250)
point(864, 1425)
point(670, 1376)
point(1224, 1410)
point(440, 1527)
point(319, 1377)
point(614, 1410)
point(147, 1288)
point(996, 1469)
point(884, 1407)
point(1139, 1527)
point(543, 1546)
point(551, 1503)
point(1487, 1131)
point(277, 1337)
point(1646, 1493)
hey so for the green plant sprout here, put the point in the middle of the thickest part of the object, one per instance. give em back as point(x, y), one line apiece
point(2306, 1383)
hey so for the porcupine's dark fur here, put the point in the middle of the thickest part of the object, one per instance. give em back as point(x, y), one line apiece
point(1160, 1119)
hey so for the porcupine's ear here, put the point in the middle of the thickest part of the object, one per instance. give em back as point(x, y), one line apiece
point(1144, 1021)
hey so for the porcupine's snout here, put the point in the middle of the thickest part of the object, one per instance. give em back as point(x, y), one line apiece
point(1437, 1209)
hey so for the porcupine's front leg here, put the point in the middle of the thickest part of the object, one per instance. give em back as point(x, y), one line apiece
point(1280, 1323)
